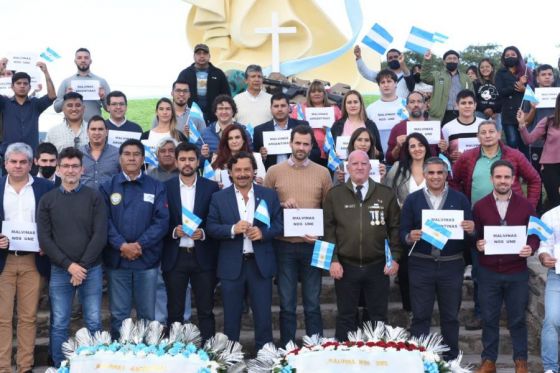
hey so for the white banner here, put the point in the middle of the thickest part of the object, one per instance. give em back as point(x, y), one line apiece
point(450, 219)
point(467, 143)
point(504, 239)
point(299, 222)
point(277, 142)
point(116, 137)
point(319, 117)
point(430, 129)
point(6, 86)
point(341, 147)
point(23, 61)
point(118, 363)
point(22, 235)
point(89, 89)
point(547, 96)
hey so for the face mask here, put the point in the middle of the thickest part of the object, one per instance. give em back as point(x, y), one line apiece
point(511, 61)
point(394, 64)
point(47, 171)
point(417, 77)
point(451, 66)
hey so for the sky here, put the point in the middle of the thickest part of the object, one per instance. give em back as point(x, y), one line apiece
point(140, 46)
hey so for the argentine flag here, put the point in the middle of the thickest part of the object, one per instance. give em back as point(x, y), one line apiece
point(402, 112)
point(194, 135)
point(435, 234)
point(49, 55)
point(190, 221)
point(530, 63)
point(378, 39)
point(322, 254)
point(530, 95)
point(329, 141)
point(300, 114)
point(250, 130)
point(149, 156)
point(447, 162)
point(419, 41)
point(208, 171)
point(196, 112)
point(333, 161)
point(261, 213)
point(388, 255)
point(439, 38)
point(538, 227)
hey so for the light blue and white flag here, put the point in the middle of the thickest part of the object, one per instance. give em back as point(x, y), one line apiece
point(322, 254)
point(208, 172)
point(378, 39)
point(190, 221)
point(333, 161)
point(540, 228)
point(149, 156)
point(194, 135)
point(49, 55)
point(530, 63)
point(196, 112)
point(261, 213)
point(435, 234)
point(300, 114)
point(388, 255)
point(530, 95)
point(439, 38)
point(419, 41)
point(329, 141)
point(250, 130)
point(403, 112)
point(447, 162)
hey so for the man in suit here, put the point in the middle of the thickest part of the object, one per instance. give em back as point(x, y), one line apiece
point(45, 163)
point(20, 271)
point(246, 258)
point(281, 121)
point(189, 257)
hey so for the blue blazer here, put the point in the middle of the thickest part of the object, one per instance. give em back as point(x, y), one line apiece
point(315, 155)
point(206, 251)
point(411, 218)
point(224, 214)
point(40, 187)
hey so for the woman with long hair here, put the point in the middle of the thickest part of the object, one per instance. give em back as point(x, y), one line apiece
point(166, 124)
point(234, 139)
point(547, 129)
point(487, 96)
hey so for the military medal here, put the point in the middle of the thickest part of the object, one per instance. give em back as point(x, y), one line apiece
point(372, 218)
point(382, 218)
point(377, 217)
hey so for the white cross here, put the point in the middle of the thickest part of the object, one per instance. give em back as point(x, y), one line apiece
point(275, 30)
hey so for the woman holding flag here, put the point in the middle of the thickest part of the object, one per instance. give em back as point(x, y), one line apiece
point(511, 80)
point(166, 124)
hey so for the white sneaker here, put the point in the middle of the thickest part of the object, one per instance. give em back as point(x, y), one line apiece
point(468, 274)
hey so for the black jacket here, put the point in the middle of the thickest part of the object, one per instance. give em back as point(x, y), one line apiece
point(338, 127)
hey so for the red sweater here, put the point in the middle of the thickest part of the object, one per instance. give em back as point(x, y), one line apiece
point(400, 129)
point(486, 213)
point(463, 170)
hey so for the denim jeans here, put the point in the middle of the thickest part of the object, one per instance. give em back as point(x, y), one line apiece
point(493, 290)
point(551, 324)
point(128, 287)
point(294, 263)
point(513, 138)
point(61, 293)
point(161, 301)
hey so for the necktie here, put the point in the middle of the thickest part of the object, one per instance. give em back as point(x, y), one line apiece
point(359, 193)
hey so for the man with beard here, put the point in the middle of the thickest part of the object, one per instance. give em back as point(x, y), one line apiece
point(101, 160)
point(45, 162)
point(189, 257)
point(447, 84)
point(83, 62)
point(300, 183)
point(415, 105)
point(167, 167)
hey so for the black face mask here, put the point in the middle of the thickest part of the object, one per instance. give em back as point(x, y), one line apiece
point(451, 66)
point(511, 61)
point(417, 77)
point(394, 64)
point(47, 171)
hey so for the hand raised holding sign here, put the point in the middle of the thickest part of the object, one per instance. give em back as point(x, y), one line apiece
point(468, 226)
point(526, 251)
point(4, 242)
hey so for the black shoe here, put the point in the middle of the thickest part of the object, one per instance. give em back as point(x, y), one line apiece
point(473, 324)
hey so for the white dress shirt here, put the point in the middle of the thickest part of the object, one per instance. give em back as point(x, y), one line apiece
point(187, 200)
point(552, 219)
point(247, 213)
point(19, 207)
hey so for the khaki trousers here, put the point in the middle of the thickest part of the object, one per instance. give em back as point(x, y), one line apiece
point(21, 282)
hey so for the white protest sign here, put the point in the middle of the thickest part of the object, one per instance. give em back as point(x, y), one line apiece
point(467, 143)
point(6, 86)
point(89, 89)
point(373, 173)
point(430, 129)
point(224, 178)
point(116, 137)
point(547, 96)
point(504, 239)
point(450, 219)
point(277, 142)
point(23, 61)
point(341, 147)
point(22, 235)
point(299, 222)
point(261, 170)
point(319, 117)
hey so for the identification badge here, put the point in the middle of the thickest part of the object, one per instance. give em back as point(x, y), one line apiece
point(149, 198)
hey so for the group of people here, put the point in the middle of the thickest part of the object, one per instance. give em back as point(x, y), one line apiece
point(99, 208)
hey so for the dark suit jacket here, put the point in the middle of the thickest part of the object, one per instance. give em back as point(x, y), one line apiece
point(224, 214)
point(40, 187)
point(206, 251)
point(315, 155)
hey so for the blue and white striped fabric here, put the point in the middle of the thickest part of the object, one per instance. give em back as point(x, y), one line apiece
point(333, 161)
point(439, 38)
point(329, 141)
point(447, 162)
point(531, 63)
point(419, 41)
point(378, 39)
point(530, 95)
point(190, 221)
point(403, 112)
point(300, 114)
point(435, 234)
point(540, 228)
point(250, 130)
point(208, 171)
point(388, 255)
point(322, 254)
point(49, 55)
point(149, 156)
point(194, 135)
point(196, 112)
point(261, 213)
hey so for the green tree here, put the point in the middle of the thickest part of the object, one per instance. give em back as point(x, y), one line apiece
point(474, 53)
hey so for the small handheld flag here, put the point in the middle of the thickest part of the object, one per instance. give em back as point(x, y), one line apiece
point(435, 234)
point(447, 162)
point(49, 55)
point(540, 228)
point(190, 221)
point(439, 38)
point(388, 255)
point(322, 254)
point(378, 39)
point(300, 114)
point(419, 41)
point(333, 162)
point(196, 112)
point(530, 95)
point(261, 213)
point(149, 157)
point(250, 130)
point(208, 171)
point(530, 63)
point(403, 112)
point(329, 141)
point(194, 135)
